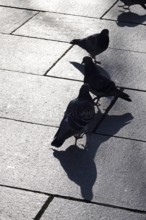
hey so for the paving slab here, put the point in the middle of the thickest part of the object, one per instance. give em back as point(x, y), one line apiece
point(125, 68)
point(29, 55)
point(11, 18)
point(110, 170)
point(37, 99)
point(66, 27)
point(120, 171)
point(59, 26)
point(70, 66)
point(17, 204)
point(72, 63)
point(66, 209)
point(76, 7)
point(136, 15)
point(135, 128)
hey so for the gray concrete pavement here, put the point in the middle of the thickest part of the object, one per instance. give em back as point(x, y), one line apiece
point(40, 72)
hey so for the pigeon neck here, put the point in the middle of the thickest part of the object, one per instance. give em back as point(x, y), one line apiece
point(84, 95)
point(79, 42)
point(89, 69)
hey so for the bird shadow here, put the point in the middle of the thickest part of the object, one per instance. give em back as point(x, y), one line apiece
point(100, 69)
point(79, 163)
point(78, 66)
point(134, 19)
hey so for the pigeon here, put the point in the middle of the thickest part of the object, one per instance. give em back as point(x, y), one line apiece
point(134, 2)
point(79, 113)
point(94, 44)
point(100, 85)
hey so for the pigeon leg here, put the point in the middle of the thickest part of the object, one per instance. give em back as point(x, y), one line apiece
point(96, 61)
point(78, 137)
point(96, 101)
point(121, 6)
point(126, 7)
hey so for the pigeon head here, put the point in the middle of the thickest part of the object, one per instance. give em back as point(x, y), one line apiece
point(85, 87)
point(87, 60)
point(105, 32)
point(84, 90)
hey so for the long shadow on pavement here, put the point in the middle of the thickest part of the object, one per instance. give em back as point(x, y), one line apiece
point(134, 19)
point(79, 163)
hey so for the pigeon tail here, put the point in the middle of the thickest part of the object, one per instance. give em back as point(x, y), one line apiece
point(79, 42)
point(57, 142)
point(124, 96)
point(75, 41)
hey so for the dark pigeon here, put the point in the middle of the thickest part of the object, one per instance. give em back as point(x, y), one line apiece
point(134, 2)
point(78, 115)
point(101, 86)
point(94, 44)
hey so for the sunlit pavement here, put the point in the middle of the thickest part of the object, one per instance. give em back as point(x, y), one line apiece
point(40, 72)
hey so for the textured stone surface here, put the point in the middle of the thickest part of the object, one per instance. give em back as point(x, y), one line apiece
point(17, 204)
point(121, 173)
point(35, 98)
point(59, 26)
point(110, 170)
point(66, 27)
point(135, 16)
point(29, 55)
point(70, 65)
point(123, 110)
point(78, 7)
point(27, 159)
point(65, 209)
point(11, 18)
point(126, 68)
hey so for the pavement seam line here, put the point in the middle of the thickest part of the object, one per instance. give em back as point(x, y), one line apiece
point(19, 8)
point(29, 122)
point(24, 22)
point(38, 38)
point(58, 60)
point(39, 75)
point(120, 137)
point(55, 126)
point(64, 78)
point(75, 15)
point(44, 207)
point(66, 42)
point(109, 9)
point(130, 51)
point(53, 12)
point(75, 199)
